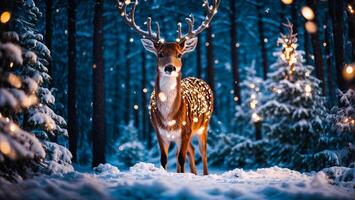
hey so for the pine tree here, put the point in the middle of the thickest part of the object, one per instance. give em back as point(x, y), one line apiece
point(247, 116)
point(337, 144)
point(19, 149)
point(39, 119)
point(294, 109)
point(130, 149)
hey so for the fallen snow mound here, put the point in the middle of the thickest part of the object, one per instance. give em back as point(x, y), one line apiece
point(146, 181)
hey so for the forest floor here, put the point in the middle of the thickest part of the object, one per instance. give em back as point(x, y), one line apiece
point(146, 181)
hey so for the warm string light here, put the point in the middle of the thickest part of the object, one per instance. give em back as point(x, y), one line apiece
point(308, 90)
point(348, 121)
point(289, 46)
point(254, 102)
point(197, 97)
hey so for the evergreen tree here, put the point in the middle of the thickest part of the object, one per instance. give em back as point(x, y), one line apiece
point(247, 116)
point(20, 151)
point(294, 110)
point(39, 118)
point(130, 150)
point(337, 143)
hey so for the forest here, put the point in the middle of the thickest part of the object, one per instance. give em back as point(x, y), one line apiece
point(85, 85)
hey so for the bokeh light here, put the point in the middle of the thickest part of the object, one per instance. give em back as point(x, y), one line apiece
point(307, 13)
point(5, 17)
point(287, 2)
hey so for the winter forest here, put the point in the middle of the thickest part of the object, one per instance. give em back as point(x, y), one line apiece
point(97, 99)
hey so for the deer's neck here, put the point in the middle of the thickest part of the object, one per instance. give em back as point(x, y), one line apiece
point(169, 95)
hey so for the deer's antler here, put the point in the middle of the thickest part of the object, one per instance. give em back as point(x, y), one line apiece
point(130, 20)
point(211, 10)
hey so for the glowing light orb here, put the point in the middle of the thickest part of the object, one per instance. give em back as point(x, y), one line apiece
point(5, 17)
point(349, 72)
point(311, 27)
point(287, 2)
point(307, 13)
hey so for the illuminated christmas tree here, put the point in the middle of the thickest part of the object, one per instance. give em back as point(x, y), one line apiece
point(294, 109)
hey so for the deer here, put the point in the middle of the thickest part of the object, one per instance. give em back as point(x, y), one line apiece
point(180, 109)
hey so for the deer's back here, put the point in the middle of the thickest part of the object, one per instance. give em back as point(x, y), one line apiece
point(198, 96)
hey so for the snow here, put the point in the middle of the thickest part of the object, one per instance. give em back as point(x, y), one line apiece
point(146, 181)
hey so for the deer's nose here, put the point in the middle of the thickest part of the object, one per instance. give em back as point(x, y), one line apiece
point(168, 69)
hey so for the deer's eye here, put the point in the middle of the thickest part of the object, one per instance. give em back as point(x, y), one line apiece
point(161, 54)
point(179, 55)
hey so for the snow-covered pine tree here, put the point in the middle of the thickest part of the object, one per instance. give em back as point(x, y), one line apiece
point(129, 149)
point(293, 112)
point(246, 115)
point(20, 151)
point(40, 119)
point(337, 142)
point(247, 150)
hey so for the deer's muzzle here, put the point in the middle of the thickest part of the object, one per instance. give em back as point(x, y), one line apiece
point(169, 69)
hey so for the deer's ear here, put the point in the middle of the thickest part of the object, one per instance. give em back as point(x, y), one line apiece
point(149, 45)
point(189, 44)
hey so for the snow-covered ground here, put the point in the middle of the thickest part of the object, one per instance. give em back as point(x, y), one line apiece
point(146, 181)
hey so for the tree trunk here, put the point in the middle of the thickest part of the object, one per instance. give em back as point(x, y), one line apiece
point(144, 98)
point(234, 51)
point(318, 58)
point(331, 88)
point(210, 64)
point(198, 58)
point(117, 84)
point(352, 30)
point(72, 129)
point(127, 81)
point(336, 10)
point(265, 64)
point(257, 126)
point(49, 29)
point(306, 46)
point(98, 122)
point(136, 111)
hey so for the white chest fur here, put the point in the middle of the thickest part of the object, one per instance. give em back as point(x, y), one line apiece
point(170, 135)
point(168, 89)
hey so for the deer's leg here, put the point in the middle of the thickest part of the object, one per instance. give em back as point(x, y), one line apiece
point(191, 154)
point(182, 154)
point(202, 144)
point(178, 167)
point(164, 147)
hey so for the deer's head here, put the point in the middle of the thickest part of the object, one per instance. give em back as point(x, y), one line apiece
point(168, 54)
